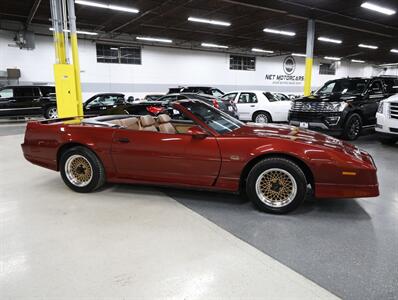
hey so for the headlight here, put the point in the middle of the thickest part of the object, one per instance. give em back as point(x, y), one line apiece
point(335, 106)
point(381, 106)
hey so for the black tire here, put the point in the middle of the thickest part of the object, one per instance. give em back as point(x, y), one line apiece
point(98, 172)
point(49, 112)
point(352, 127)
point(274, 165)
point(388, 141)
point(264, 115)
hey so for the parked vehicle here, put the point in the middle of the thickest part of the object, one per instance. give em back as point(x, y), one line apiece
point(226, 106)
point(344, 106)
point(197, 90)
point(153, 97)
point(24, 101)
point(152, 108)
point(201, 147)
point(98, 104)
point(259, 106)
point(387, 120)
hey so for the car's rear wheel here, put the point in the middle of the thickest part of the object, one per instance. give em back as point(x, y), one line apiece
point(262, 117)
point(51, 112)
point(276, 185)
point(81, 170)
point(353, 127)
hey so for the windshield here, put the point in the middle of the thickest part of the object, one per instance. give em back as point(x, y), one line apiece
point(214, 118)
point(344, 86)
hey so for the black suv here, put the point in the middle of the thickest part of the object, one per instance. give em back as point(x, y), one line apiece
point(344, 106)
point(22, 101)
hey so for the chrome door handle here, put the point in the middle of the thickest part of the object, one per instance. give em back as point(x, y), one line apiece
point(252, 105)
point(123, 140)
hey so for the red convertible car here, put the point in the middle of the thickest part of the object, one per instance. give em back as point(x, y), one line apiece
point(198, 146)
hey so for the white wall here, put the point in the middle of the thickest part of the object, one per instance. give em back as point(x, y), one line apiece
point(162, 68)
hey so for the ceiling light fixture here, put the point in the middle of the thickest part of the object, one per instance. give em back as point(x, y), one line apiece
point(261, 50)
point(152, 39)
point(378, 8)
point(282, 32)
point(329, 40)
point(299, 54)
point(358, 61)
point(331, 58)
point(78, 31)
point(207, 21)
point(209, 45)
point(368, 46)
point(108, 6)
point(394, 50)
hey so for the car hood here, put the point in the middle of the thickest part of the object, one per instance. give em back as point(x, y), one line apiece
point(328, 98)
point(294, 134)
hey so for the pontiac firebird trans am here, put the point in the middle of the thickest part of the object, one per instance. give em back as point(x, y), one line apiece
point(195, 145)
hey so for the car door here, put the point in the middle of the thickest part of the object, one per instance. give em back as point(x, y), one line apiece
point(371, 102)
point(165, 158)
point(6, 95)
point(277, 108)
point(247, 104)
point(25, 102)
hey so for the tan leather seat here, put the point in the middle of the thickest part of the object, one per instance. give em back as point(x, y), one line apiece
point(131, 123)
point(164, 124)
point(116, 122)
point(148, 123)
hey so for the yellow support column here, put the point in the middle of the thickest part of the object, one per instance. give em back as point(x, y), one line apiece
point(308, 76)
point(309, 57)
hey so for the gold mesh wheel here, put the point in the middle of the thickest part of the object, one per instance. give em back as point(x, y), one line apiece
point(78, 170)
point(276, 187)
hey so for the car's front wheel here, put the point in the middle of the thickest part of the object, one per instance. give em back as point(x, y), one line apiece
point(353, 127)
point(276, 185)
point(51, 112)
point(81, 170)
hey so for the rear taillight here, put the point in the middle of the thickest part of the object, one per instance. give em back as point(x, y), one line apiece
point(215, 103)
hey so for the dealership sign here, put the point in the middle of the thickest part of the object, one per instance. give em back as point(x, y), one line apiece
point(289, 67)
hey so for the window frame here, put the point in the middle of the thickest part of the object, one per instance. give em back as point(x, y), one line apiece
point(237, 62)
point(249, 96)
point(104, 54)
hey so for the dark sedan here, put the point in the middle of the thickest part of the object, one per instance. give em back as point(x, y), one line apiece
point(98, 104)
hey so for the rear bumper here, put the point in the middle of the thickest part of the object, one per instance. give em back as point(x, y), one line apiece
point(346, 191)
point(39, 161)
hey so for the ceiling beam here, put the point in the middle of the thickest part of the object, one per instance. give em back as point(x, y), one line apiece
point(33, 11)
point(318, 20)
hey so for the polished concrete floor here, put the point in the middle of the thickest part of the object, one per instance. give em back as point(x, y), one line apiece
point(124, 242)
point(349, 247)
point(130, 241)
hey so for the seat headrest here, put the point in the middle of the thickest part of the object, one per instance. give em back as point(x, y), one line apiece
point(147, 120)
point(129, 121)
point(163, 118)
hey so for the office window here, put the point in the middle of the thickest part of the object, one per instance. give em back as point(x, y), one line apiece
point(246, 63)
point(118, 54)
point(327, 69)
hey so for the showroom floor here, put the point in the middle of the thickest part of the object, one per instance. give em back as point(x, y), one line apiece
point(144, 242)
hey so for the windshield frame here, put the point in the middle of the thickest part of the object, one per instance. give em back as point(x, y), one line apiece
point(179, 105)
point(367, 81)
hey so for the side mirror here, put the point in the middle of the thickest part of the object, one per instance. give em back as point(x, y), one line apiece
point(197, 132)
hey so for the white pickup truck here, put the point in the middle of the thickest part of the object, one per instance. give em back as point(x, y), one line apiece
point(387, 120)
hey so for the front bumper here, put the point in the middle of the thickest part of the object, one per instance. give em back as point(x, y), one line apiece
point(331, 122)
point(386, 126)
